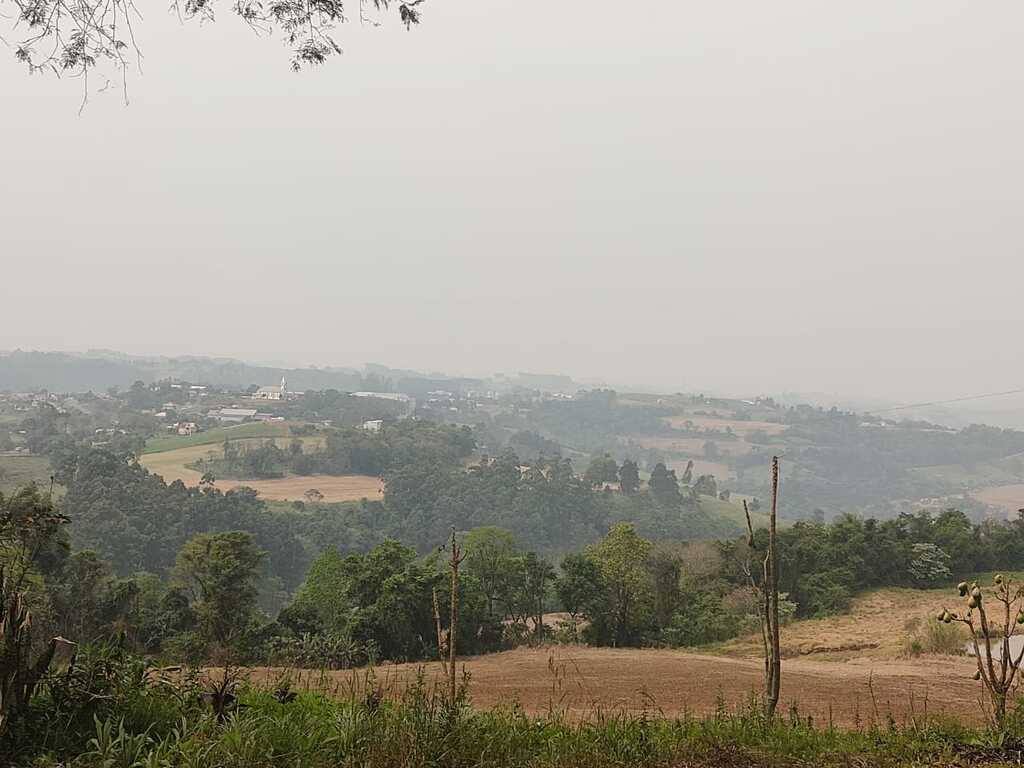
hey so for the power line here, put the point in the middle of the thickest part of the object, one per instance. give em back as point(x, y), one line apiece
point(946, 402)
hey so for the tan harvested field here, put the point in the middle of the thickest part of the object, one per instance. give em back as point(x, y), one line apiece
point(333, 487)
point(171, 466)
point(741, 428)
point(822, 674)
point(581, 681)
point(874, 628)
point(1008, 497)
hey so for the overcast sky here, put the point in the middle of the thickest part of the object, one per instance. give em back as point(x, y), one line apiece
point(740, 196)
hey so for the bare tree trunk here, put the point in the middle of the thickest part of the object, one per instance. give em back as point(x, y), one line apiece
point(453, 564)
point(440, 635)
point(772, 598)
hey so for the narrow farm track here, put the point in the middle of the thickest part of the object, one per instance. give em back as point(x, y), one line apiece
point(581, 681)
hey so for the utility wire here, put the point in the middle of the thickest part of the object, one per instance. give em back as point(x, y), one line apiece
point(946, 402)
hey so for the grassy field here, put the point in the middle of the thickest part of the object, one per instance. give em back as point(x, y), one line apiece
point(214, 436)
point(18, 470)
point(731, 511)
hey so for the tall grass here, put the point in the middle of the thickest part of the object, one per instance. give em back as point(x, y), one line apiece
point(923, 637)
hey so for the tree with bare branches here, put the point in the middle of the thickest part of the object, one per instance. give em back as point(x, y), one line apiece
point(447, 641)
point(767, 590)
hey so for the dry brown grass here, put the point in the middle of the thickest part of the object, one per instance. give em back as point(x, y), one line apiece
point(333, 487)
point(1008, 497)
point(875, 628)
point(171, 466)
point(580, 681)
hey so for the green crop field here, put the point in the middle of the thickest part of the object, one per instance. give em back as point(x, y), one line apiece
point(218, 435)
point(17, 471)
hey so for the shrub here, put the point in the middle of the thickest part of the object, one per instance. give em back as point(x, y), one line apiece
point(933, 637)
point(325, 650)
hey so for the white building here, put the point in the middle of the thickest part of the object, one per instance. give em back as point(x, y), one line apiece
point(233, 414)
point(273, 392)
point(373, 425)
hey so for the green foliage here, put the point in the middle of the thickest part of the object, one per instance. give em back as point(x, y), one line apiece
point(700, 620)
point(663, 484)
point(220, 572)
point(491, 556)
point(621, 557)
point(382, 598)
point(29, 530)
point(602, 469)
point(322, 650)
point(629, 477)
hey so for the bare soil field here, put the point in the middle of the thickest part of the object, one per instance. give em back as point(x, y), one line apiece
point(1008, 497)
point(847, 669)
point(583, 681)
point(171, 466)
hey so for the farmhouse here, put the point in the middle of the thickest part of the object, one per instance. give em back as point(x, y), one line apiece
point(373, 425)
point(186, 428)
point(274, 392)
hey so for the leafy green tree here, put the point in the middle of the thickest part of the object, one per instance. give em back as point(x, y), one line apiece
point(663, 484)
point(90, 603)
point(622, 558)
point(491, 555)
point(629, 477)
point(539, 577)
point(30, 527)
point(665, 567)
point(602, 469)
point(220, 572)
point(581, 588)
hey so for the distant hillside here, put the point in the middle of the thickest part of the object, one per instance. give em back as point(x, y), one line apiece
point(63, 372)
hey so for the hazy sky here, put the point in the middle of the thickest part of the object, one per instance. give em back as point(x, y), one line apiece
point(741, 196)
